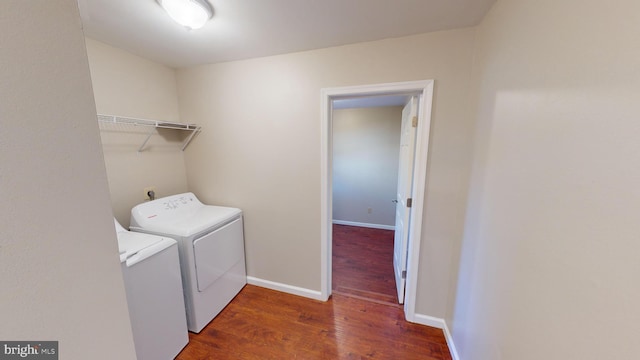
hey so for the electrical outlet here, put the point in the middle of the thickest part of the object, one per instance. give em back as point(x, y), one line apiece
point(369, 210)
point(146, 192)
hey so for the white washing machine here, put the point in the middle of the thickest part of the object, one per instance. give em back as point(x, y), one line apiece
point(211, 243)
point(151, 272)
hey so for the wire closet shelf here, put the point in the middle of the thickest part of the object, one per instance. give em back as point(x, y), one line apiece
point(153, 124)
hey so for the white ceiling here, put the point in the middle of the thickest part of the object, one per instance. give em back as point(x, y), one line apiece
point(242, 29)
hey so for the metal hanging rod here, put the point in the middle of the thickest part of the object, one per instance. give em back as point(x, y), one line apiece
point(154, 124)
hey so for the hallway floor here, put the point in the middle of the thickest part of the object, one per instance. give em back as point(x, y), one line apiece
point(363, 264)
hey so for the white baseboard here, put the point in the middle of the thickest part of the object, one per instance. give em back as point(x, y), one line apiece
point(440, 324)
point(429, 321)
point(367, 225)
point(452, 346)
point(289, 289)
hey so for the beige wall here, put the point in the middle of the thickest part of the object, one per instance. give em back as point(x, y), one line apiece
point(260, 150)
point(127, 85)
point(366, 146)
point(550, 258)
point(59, 271)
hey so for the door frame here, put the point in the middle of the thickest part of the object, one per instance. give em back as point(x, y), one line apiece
point(422, 88)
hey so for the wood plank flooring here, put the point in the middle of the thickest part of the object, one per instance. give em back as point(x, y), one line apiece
point(360, 324)
point(266, 324)
point(363, 263)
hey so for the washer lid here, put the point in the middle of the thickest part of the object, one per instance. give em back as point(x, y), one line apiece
point(179, 215)
point(135, 247)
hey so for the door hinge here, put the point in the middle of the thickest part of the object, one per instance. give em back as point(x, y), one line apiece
point(404, 274)
point(414, 121)
point(409, 202)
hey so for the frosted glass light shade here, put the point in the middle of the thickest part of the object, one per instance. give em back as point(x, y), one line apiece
point(192, 14)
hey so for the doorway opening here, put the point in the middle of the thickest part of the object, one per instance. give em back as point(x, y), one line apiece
point(422, 92)
point(367, 139)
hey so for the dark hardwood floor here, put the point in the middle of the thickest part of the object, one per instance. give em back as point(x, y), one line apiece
point(361, 323)
point(363, 264)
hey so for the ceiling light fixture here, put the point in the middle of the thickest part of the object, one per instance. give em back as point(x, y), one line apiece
point(192, 14)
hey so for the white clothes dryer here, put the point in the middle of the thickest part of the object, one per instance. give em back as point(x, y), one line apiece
point(151, 274)
point(211, 243)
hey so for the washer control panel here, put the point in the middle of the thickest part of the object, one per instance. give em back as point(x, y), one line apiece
point(171, 203)
point(167, 208)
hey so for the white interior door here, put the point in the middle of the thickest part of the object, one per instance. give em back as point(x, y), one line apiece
point(403, 196)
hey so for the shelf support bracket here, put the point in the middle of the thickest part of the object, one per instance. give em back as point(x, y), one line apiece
point(188, 140)
point(146, 140)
